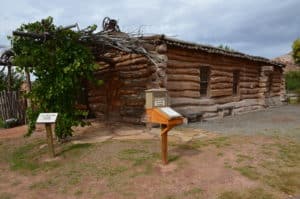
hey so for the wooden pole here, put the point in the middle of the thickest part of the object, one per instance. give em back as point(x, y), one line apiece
point(164, 144)
point(50, 140)
point(28, 90)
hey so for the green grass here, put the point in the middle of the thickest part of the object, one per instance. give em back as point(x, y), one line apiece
point(5, 195)
point(78, 192)
point(196, 144)
point(43, 184)
point(256, 193)
point(22, 158)
point(248, 171)
point(112, 171)
point(137, 156)
point(193, 191)
point(27, 156)
point(220, 154)
point(74, 148)
point(283, 173)
point(243, 158)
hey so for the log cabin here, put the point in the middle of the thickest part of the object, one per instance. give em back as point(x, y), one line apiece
point(203, 82)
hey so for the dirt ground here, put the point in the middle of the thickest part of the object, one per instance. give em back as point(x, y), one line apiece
point(124, 162)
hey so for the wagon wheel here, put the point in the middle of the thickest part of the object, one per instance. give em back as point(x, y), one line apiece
point(110, 25)
point(6, 58)
point(2, 68)
point(105, 23)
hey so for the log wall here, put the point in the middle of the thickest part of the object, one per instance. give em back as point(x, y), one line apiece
point(122, 95)
point(183, 71)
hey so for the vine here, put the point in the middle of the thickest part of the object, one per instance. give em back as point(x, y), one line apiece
point(59, 63)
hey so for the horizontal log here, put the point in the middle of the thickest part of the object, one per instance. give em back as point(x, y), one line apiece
point(215, 86)
point(275, 94)
point(173, 56)
point(208, 115)
point(249, 91)
point(247, 74)
point(141, 82)
point(187, 54)
point(132, 111)
point(97, 99)
point(216, 73)
point(98, 107)
point(249, 96)
point(134, 102)
point(214, 80)
point(135, 74)
point(175, 85)
point(182, 64)
point(248, 84)
point(175, 77)
point(184, 101)
point(96, 92)
point(133, 67)
point(131, 90)
point(221, 92)
point(185, 93)
point(126, 57)
point(276, 83)
point(135, 61)
point(242, 69)
point(274, 90)
point(223, 100)
point(248, 79)
point(187, 71)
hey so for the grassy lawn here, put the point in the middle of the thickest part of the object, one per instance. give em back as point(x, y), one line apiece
point(225, 167)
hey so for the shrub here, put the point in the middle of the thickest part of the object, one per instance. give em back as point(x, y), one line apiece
point(292, 79)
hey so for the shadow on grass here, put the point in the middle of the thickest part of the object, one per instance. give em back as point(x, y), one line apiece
point(27, 157)
point(74, 147)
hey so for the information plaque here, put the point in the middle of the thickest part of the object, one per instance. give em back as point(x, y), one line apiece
point(46, 118)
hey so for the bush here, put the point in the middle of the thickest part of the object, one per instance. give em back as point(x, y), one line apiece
point(292, 79)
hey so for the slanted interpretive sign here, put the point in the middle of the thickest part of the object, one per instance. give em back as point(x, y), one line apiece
point(48, 119)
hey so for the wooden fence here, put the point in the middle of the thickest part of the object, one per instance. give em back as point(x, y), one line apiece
point(12, 105)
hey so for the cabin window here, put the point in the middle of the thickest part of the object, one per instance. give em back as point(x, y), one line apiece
point(236, 78)
point(204, 78)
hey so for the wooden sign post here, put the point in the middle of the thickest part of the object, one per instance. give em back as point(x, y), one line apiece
point(48, 119)
point(164, 144)
point(158, 112)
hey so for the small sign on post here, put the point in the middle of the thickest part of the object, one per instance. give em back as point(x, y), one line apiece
point(48, 119)
point(158, 111)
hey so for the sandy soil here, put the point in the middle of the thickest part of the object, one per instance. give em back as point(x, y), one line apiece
point(204, 171)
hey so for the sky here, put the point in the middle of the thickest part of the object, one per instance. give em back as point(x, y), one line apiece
point(257, 27)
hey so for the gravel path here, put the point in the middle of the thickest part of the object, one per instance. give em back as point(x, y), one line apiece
point(284, 119)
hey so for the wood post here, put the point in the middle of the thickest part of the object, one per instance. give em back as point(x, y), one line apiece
point(164, 144)
point(50, 140)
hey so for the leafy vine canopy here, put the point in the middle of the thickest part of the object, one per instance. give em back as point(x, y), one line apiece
point(59, 62)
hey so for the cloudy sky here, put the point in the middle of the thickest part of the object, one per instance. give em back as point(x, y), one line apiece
point(257, 27)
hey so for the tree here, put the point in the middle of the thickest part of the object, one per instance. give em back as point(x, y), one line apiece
point(296, 51)
point(59, 62)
